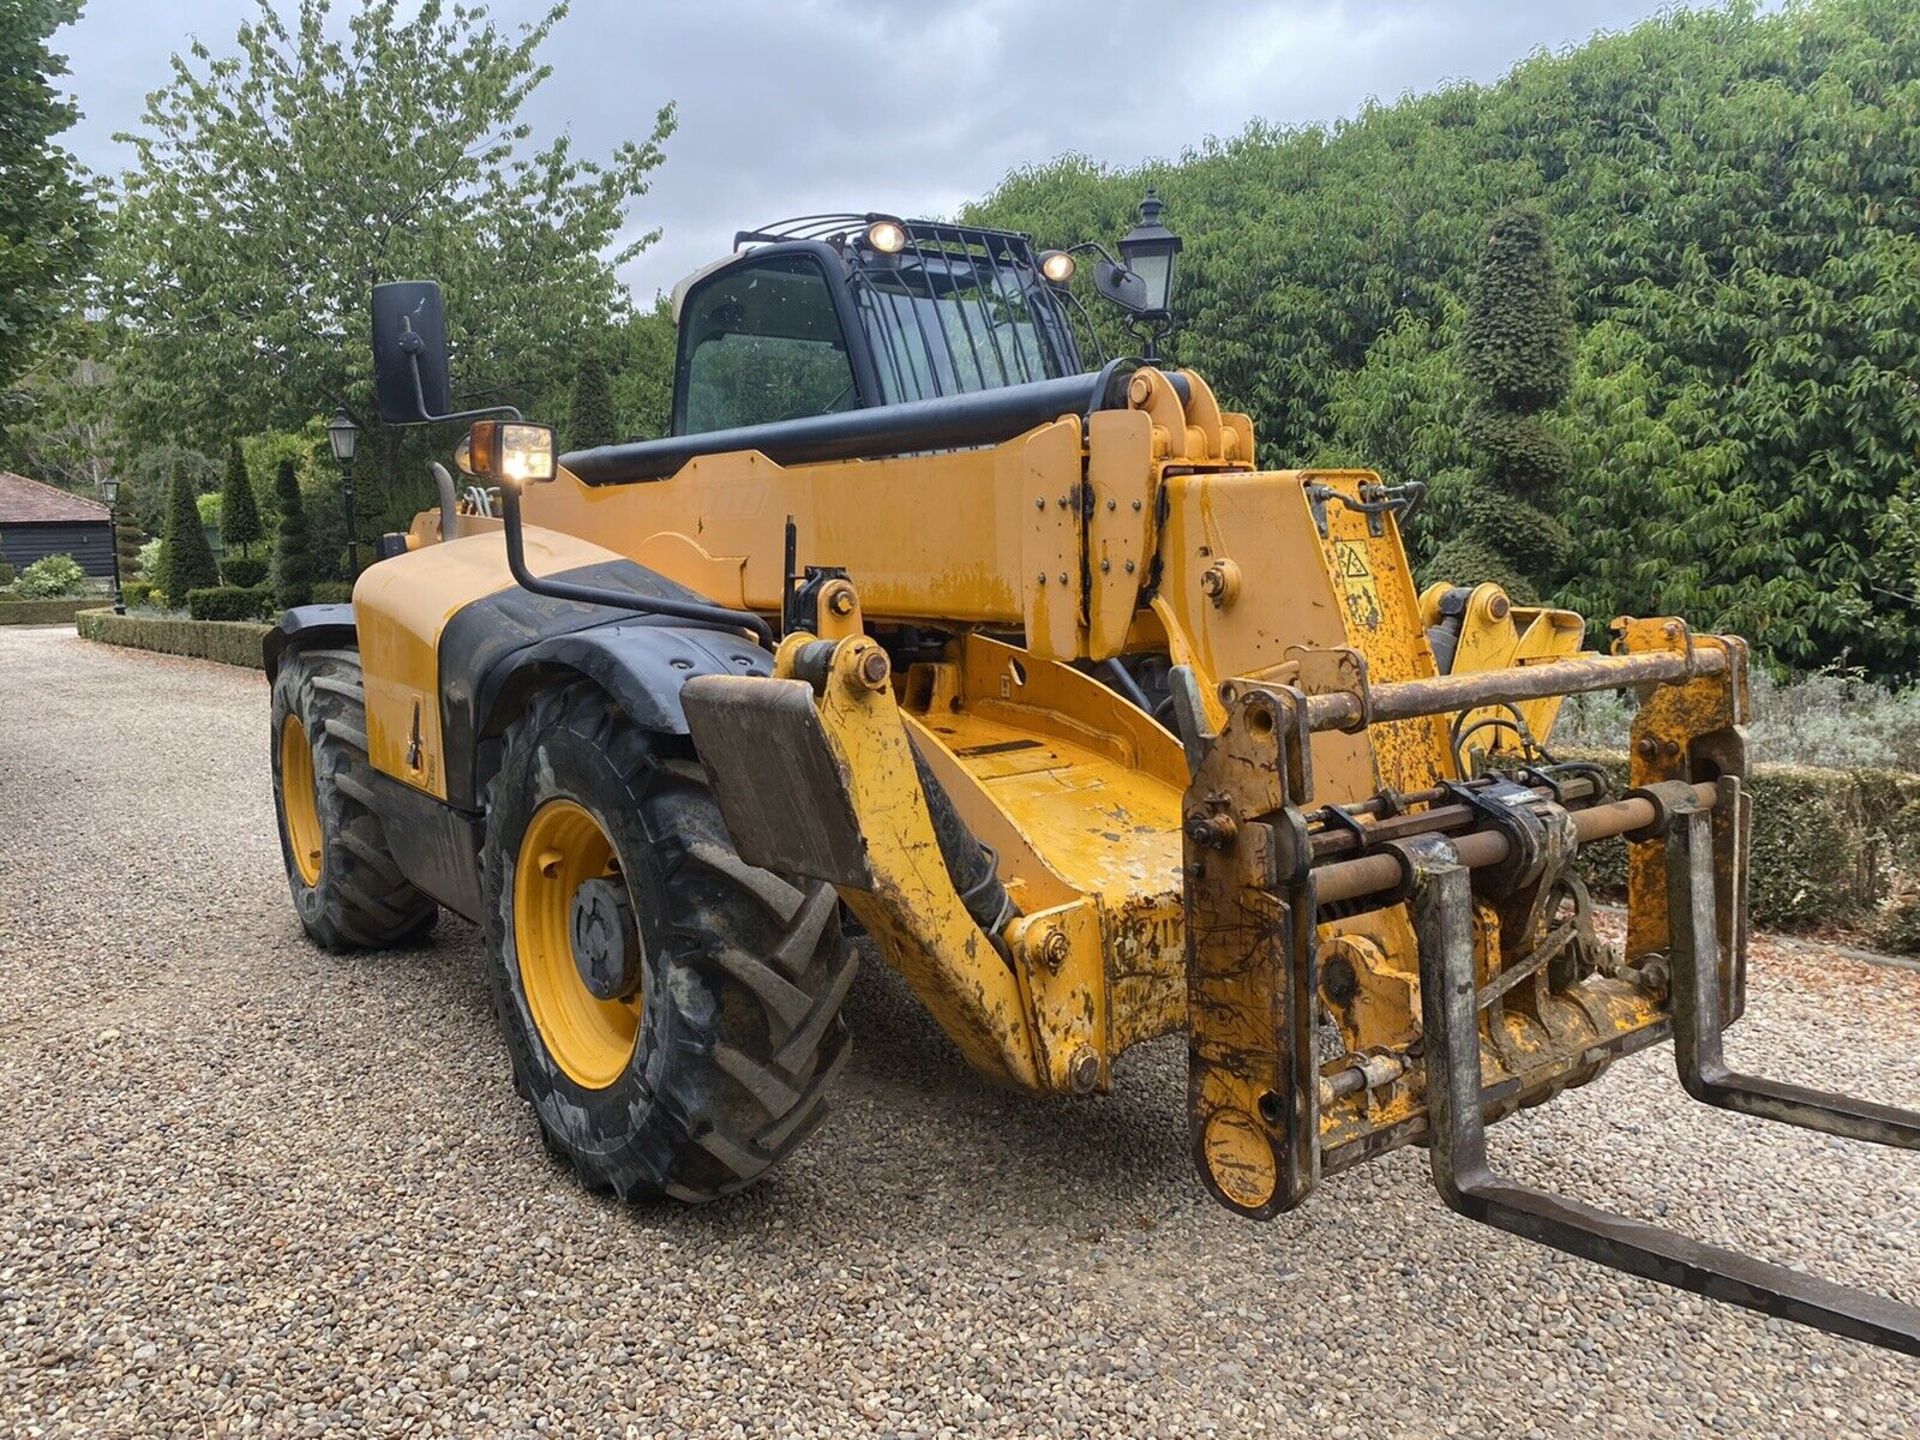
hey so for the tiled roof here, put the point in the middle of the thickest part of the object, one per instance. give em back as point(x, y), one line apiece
point(28, 502)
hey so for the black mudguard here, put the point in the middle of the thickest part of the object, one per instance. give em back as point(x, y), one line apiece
point(303, 626)
point(494, 654)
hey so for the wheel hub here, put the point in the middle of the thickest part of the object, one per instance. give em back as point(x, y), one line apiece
point(576, 944)
point(606, 941)
point(299, 801)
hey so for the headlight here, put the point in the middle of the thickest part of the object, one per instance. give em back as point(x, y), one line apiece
point(1058, 266)
point(889, 237)
point(526, 454)
point(512, 453)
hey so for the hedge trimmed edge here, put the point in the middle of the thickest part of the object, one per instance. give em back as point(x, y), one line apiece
point(230, 642)
point(1832, 849)
point(44, 612)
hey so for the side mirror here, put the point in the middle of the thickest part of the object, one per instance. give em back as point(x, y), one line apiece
point(1122, 287)
point(410, 382)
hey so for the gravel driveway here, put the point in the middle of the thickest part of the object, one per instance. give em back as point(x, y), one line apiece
point(249, 1188)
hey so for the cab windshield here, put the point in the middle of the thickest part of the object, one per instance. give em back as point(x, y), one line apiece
point(947, 318)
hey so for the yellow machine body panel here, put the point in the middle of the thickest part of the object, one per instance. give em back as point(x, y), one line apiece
point(956, 537)
point(401, 611)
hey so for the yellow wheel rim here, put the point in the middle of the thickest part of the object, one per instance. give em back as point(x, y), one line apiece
point(299, 800)
point(589, 1038)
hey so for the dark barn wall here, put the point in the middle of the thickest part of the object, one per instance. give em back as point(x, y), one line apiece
point(85, 540)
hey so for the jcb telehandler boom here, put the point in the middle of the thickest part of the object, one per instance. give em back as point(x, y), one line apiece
point(1099, 731)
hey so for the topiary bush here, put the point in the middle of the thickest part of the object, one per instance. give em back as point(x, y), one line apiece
point(50, 578)
point(1518, 352)
point(246, 571)
point(1519, 336)
point(230, 602)
point(293, 550)
point(590, 416)
point(136, 592)
point(240, 523)
point(186, 561)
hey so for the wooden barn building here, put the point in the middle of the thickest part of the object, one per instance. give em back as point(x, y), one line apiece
point(38, 520)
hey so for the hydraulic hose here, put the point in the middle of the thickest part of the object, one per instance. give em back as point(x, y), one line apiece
point(971, 864)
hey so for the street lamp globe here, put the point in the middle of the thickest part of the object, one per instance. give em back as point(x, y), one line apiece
point(343, 435)
point(1148, 249)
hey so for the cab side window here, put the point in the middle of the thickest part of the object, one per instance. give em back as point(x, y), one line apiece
point(763, 343)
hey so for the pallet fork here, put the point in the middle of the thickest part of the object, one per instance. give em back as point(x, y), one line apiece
point(1457, 1146)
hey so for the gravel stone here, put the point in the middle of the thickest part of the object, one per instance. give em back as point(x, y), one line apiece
point(247, 1188)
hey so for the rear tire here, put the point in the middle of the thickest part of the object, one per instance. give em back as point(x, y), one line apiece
point(346, 885)
point(706, 1059)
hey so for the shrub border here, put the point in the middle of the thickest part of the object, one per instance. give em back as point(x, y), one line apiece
point(56, 611)
point(228, 642)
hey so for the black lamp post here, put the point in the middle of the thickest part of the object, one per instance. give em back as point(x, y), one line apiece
point(110, 487)
point(344, 436)
point(1148, 249)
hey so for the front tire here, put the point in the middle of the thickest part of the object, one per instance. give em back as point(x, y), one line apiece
point(346, 885)
point(672, 1013)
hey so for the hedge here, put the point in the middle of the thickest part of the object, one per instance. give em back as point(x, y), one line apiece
point(1831, 849)
point(136, 592)
point(332, 592)
point(229, 642)
point(44, 612)
point(230, 602)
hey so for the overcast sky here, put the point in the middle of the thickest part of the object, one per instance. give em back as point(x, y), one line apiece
point(794, 106)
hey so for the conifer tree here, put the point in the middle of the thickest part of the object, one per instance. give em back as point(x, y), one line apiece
point(186, 559)
point(590, 419)
point(240, 524)
point(1518, 353)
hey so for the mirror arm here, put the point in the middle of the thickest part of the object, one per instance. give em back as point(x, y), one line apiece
point(411, 342)
point(718, 617)
point(1101, 251)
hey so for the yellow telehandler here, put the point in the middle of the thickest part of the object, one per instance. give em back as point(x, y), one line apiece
point(923, 623)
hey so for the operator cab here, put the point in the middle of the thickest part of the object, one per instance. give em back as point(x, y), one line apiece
point(841, 312)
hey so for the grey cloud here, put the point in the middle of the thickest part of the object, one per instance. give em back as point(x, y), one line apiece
point(787, 108)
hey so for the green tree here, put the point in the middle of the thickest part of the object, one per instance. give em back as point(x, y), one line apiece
point(66, 431)
point(293, 560)
point(186, 560)
point(1518, 352)
point(240, 524)
point(643, 388)
point(396, 149)
point(1731, 195)
point(47, 217)
point(590, 418)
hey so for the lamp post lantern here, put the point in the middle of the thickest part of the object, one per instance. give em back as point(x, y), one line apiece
point(344, 436)
point(1149, 249)
point(110, 487)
